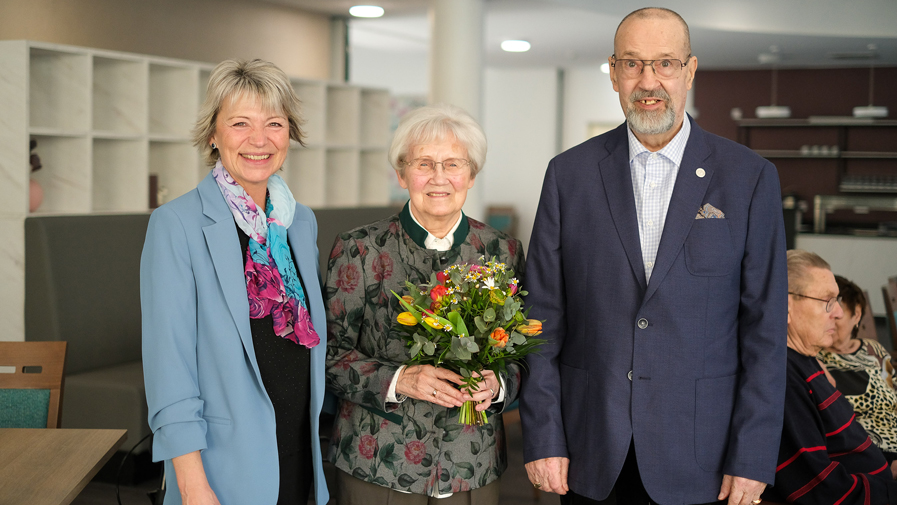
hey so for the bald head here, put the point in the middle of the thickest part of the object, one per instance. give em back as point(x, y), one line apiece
point(654, 13)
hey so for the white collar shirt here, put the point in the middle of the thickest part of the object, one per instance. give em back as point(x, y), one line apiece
point(434, 242)
point(653, 178)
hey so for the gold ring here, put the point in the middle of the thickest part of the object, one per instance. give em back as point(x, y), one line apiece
point(434, 393)
point(537, 485)
point(755, 502)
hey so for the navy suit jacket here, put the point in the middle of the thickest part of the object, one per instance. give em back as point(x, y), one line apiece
point(691, 365)
point(203, 385)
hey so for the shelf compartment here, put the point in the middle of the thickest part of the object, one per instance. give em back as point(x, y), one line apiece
point(343, 178)
point(175, 165)
point(119, 95)
point(314, 103)
point(59, 90)
point(120, 181)
point(343, 111)
point(65, 176)
point(305, 174)
point(374, 178)
point(374, 114)
point(171, 111)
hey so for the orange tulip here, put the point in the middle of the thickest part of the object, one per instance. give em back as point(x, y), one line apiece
point(500, 336)
point(408, 299)
point(531, 328)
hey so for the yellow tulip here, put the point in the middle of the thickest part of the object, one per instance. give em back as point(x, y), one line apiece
point(407, 318)
point(433, 322)
point(531, 328)
point(408, 299)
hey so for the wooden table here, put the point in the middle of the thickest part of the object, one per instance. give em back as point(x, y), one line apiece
point(51, 466)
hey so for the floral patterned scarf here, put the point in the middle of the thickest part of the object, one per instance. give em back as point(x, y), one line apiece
point(271, 279)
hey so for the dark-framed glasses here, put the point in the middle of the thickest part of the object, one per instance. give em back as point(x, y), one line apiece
point(666, 68)
point(426, 166)
point(829, 304)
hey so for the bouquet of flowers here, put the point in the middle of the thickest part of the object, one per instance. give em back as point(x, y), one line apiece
point(468, 319)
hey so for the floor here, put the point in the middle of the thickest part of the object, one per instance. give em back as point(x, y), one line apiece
point(515, 487)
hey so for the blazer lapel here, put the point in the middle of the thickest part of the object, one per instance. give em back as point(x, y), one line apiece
point(224, 248)
point(303, 244)
point(688, 194)
point(617, 179)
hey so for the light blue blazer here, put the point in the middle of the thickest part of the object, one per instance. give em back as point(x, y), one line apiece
point(203, 386)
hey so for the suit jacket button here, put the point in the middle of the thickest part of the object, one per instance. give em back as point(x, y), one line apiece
point(629, 375)
point(643, 323)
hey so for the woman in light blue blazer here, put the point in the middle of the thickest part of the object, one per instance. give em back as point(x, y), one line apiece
point(232, 311)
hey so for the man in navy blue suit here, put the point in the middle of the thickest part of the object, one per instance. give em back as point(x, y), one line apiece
point(657, 263)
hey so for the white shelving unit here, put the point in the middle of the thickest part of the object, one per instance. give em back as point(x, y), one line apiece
point(105, 121)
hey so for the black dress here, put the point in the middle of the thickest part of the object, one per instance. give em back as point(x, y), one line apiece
point(284, 366)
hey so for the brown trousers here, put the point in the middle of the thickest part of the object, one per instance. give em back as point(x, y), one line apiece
point(352, 491)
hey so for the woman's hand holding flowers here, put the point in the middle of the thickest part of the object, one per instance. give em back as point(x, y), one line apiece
point(428, 383)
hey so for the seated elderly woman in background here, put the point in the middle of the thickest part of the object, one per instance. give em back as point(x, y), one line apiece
point(825, 456)
point(231, 305)
point(395, 429)
point(863, 372)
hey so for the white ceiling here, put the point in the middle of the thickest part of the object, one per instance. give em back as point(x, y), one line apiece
point(724, 33)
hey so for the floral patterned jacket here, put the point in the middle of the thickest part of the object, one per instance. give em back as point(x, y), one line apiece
point(413, 446)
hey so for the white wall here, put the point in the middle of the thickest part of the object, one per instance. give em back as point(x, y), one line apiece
point(589, 97)
point(520, 119)
point(401, 73)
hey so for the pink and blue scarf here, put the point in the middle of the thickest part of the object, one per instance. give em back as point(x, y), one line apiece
point(271, 279)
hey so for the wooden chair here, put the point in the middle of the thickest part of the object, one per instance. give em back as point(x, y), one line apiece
point(867, 323)
point(889, 291)
point(31, 383)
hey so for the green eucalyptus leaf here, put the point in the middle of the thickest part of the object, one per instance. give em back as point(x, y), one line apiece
point(481, 324)
point(489, 315)
point(517, 338)
point(429, 348)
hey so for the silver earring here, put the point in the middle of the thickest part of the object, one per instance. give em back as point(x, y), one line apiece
point(214, 146)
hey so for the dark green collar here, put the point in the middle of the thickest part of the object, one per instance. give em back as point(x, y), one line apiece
point(418, 234)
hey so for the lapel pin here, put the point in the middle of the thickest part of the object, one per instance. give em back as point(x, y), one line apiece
point(700, 172)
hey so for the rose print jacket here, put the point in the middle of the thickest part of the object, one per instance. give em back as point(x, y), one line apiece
point(413, 446)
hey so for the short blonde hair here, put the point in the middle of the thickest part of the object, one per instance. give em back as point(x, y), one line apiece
point(432, 124)
point(234, 79)
point(799, 262)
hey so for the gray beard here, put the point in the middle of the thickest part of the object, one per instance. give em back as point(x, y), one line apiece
point(650, 122)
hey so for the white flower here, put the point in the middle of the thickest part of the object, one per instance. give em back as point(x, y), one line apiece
point(489, 283)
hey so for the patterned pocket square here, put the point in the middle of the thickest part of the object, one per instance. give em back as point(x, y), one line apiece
point(710, 212)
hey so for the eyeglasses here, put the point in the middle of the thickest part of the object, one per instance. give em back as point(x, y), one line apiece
point(666, 68)
point(829, 304)
point(426, 166)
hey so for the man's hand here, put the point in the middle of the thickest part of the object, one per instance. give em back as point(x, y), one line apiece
point(549, 474)
point(740, 491)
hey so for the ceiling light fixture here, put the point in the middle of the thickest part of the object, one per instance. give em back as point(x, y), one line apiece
point(772, 111)
point(605, 68)
point(871, 110)
point(366, 11)
point(515, 46)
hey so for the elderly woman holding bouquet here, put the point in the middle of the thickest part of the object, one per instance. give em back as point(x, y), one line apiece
point(396, 436)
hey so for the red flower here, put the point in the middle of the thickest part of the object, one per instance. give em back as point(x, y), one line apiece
point(441, 277)
point(368, 368)
point(382, 267)
point(347, 360)
point(347, 277)
point(513, 288)
point(361, 250)
point(438, 292)
point(476, 224)
point(477, 243)
point(512, 248)
point(394, 228)
point(459, 485)
point(415, 452)
point(367, 447)
point(384, 424)
point(346, 410)
point(337, 249)
point(337, 308)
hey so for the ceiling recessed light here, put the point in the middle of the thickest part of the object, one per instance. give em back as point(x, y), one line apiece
point(366, 11)
point(605, 68)
point(515, 46)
